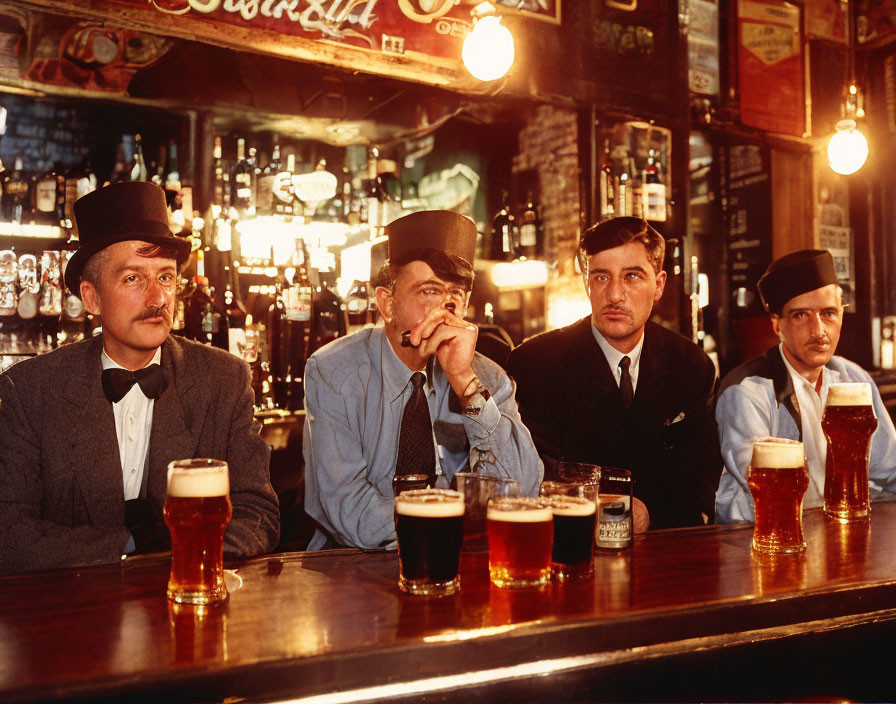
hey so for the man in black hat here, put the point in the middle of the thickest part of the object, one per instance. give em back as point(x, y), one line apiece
point(782, 392)
point(615, 389)
point(87, 431)
point(410, 397)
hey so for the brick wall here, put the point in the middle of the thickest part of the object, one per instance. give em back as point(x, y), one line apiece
point(548, 144)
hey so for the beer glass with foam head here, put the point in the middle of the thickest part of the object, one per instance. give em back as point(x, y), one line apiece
point(848, 423)
point(477, 490)
point(520, 538)
point(197, 511)
point(429, 526)
point(572, 554)
point(778, 479)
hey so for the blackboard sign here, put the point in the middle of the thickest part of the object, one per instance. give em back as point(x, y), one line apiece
point(746, 200)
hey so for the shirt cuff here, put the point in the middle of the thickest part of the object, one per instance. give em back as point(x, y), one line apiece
point(484, 423)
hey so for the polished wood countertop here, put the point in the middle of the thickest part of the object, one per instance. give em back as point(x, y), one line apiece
point(301, 625)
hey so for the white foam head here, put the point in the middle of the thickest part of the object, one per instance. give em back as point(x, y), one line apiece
point(198, 482)
point(572, 506)
point(519, 510)
point(777, 453)
point(430, 503)
point(849, 394)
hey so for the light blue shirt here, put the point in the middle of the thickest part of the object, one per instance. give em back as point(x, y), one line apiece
point(355, 392)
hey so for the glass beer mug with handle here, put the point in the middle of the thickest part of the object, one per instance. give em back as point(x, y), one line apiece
point(778, 479)
point(197, 511)
point(848, 423)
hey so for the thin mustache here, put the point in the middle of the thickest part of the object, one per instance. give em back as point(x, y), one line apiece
point(615, 309)
point(154, 312)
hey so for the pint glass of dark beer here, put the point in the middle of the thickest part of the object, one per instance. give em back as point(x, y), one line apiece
point(520, 537)
point(572, 554)
point(197, 510)
point(429, 525)
point(848, 423)
point(778, 478)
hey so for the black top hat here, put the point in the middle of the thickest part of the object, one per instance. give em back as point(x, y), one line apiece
point(795, 274)
point(410, 236)
point(133, 210)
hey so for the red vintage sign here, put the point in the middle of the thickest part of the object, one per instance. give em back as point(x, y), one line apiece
point(770, 66)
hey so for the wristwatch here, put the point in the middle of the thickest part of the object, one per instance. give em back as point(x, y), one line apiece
point(476, 401)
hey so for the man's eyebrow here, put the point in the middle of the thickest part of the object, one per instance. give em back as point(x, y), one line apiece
point(431, 282)
point(634, 267)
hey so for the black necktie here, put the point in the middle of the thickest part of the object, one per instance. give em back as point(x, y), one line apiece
point(626, 391)
point(117, 382)
point(416, 454)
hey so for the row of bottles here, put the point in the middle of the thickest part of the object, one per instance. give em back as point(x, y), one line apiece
point(626, 190)
point(517, 235)
point(44, 199)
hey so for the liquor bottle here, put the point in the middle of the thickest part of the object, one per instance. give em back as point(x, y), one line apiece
point(15, 193)
point(158, 174)
point(636, 193)
point(124, 160)
point(283, 194)
point(62, 218)
point(264, 199)
point(43, 199)
point(329, 319)
point(241, 182)
point(503, 233)
point(138, 172)
point(357, 306)
point(234, 313)
point(607, 191)
point(375, 195)
point(654, 190)
point(218, 192)
point(172, 178)
point(531, 236)
point(624, 191)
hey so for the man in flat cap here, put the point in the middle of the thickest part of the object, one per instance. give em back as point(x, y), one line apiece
point(615, 389)
point(87, 431)
point(782, 392)
point(411, 397)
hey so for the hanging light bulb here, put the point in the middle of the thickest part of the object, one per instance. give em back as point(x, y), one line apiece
point(488, 48)
point(848, 149)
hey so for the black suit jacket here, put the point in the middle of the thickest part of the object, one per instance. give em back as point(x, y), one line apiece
point(570, 402)
point(61, 487)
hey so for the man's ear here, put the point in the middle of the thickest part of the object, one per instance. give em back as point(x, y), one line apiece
point(660, 286)
point(91, 298)
point(776, 325)
point(384, 302)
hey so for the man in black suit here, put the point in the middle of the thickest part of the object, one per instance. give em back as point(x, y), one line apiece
point(616, 390)
point(87, 431)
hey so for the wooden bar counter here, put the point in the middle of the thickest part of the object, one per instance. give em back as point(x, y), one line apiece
point(683, 614)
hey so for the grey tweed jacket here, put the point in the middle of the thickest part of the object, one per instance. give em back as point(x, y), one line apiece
point(61, 487)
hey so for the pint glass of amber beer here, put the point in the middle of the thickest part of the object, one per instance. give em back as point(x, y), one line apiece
point(572, 555)
point(778, 478)
point(430, 530)
point(197, 510)
point(848, 423)
point(520, 536)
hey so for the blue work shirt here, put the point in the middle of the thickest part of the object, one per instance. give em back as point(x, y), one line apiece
point(356, 389)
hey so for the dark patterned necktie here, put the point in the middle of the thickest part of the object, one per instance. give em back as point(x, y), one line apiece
point(416, 454)
point(117, 382)
point(626, 391)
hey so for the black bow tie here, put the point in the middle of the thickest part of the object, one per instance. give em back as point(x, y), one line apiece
point(117, 382)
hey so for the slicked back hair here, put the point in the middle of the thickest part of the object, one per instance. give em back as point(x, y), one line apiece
point(617, 232)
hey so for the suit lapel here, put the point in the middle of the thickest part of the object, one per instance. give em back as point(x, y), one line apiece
point(652, 376)
point(93, 453)
point(172, 436)
point(590, 371)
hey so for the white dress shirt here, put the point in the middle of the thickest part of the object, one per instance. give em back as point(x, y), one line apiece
point(614, 356)
point(133, 423)
point(815, 446)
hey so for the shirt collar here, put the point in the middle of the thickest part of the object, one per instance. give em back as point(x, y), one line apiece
point(109, 363)
point(613, 355)
point(829, 376)
point(396, 373)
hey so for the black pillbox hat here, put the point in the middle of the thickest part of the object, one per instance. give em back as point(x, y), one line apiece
point(795, 274)
point(444, 230)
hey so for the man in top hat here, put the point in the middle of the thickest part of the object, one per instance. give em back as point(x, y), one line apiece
point(410, 397)
point(617, 390)
point(782, 392)
point(87, 431)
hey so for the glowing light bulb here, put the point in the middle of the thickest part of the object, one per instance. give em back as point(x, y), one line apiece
point(488, 49)
point(848, 149)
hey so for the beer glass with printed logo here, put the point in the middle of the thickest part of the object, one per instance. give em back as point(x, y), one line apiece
point(520, 537)
point(429, 526)
point(848, 423)
point(197, 511)
point(778, 479)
